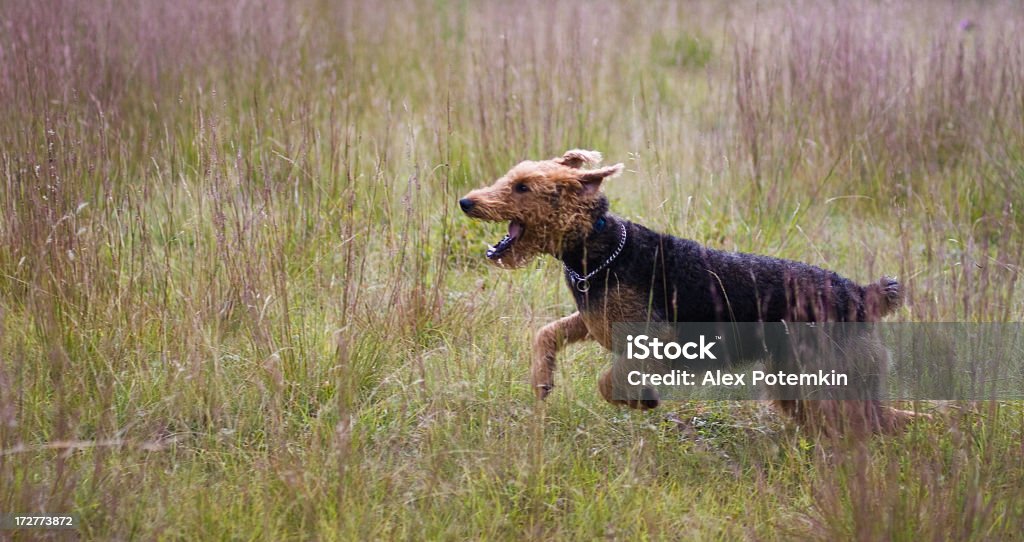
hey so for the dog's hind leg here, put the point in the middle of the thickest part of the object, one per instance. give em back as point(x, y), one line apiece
point(849, 417)
point(612, 388)
point(548, 341)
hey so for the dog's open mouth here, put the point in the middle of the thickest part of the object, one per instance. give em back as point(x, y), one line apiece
point(515, 231)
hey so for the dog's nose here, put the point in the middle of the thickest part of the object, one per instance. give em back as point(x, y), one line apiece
point(466, 204)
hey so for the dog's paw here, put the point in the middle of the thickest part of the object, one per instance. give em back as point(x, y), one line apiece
point(643, 404)
point(648, 400)
point(895, 421)
point(542, 379)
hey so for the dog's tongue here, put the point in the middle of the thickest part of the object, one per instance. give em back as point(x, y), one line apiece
point(515, 229)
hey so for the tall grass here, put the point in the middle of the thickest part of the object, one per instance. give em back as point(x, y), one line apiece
point(236, 300)
point(896, 108)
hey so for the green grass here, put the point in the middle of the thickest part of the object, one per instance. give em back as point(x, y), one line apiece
point(238, 301)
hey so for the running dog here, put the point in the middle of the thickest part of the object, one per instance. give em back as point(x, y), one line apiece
point(620, 271)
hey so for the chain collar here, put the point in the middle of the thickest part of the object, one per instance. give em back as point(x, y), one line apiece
point(582, 283)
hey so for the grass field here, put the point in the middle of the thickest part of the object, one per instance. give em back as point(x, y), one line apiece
point(238, 300)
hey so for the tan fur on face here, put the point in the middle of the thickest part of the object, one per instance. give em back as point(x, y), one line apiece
point(558, 206)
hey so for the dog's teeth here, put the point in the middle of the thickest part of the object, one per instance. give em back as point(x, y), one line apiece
point(502, 246)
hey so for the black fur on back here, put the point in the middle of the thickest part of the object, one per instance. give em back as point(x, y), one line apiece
point(688, 282)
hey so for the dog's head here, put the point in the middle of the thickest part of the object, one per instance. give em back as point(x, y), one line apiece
point(546, 204)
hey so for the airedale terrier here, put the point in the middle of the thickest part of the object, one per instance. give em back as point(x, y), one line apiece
point(620, 271)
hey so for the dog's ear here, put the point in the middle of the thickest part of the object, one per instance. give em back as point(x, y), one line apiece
point(591, 180)
point(577, 158)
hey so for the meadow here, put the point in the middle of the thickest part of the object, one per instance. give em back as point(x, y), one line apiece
point(238, 299)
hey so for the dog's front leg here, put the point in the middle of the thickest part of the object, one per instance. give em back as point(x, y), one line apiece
point(549, 340)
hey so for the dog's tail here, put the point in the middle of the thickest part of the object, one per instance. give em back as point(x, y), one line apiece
point(884, 296)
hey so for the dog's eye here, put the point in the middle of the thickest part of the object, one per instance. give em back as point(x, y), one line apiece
point(521, 187)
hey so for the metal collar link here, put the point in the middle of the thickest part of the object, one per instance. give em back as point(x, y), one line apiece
point(581, 283)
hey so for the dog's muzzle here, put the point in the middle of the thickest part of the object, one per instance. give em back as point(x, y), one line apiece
point(515, 231)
